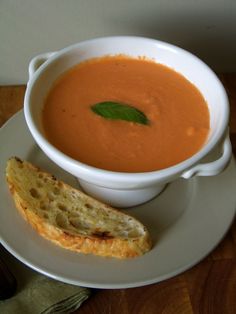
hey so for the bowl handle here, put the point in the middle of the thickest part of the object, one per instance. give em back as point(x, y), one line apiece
point(214, 167)
point(37, 61)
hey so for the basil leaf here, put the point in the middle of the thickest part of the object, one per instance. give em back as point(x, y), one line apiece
point(118, 111)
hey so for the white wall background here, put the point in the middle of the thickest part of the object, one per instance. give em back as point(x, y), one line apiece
point(29, 27)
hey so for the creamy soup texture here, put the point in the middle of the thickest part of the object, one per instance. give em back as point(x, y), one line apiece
point(177, 112)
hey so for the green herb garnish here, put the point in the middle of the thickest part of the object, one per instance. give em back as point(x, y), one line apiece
point(118, 111)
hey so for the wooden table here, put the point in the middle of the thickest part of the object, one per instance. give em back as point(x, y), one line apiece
point(208, 288)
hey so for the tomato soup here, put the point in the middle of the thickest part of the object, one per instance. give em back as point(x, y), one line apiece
point(178, 116)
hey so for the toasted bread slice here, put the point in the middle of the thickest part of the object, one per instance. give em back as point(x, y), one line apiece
point(72, 219)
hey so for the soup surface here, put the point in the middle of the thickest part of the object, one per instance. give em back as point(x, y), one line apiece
point(177, 113)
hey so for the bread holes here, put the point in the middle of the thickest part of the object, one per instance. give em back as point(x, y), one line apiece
point(56, 191)
point(102, 234)
point(43, 207)
point(61, 221)
point(45, 180)
point(45, 216)
point(89, 206)
point(78, 224)
point(73, 195)
point(63, 207)
point(75, 223)
point(34, 193)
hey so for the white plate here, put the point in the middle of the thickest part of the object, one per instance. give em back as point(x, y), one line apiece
point(186, 222)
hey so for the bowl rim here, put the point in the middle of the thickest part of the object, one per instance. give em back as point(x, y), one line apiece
point(126, 176)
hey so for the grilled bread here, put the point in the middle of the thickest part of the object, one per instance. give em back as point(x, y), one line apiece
point(72, 219)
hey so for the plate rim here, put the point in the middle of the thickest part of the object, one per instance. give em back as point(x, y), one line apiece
point(90, 284)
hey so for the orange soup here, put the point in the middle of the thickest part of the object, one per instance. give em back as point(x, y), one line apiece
point(177, 114)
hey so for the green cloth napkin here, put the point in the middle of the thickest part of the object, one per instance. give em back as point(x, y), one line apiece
point(38, 294)
point(44, 295)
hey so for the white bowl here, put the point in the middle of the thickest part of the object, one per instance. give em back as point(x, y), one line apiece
point(129, 189)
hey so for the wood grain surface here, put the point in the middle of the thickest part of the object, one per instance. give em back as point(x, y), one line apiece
point(207, 288)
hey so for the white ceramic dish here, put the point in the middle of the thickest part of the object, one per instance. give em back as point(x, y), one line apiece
point(128, 189)
point(186, 222)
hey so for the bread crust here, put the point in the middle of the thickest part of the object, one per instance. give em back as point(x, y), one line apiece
point(72, 219)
